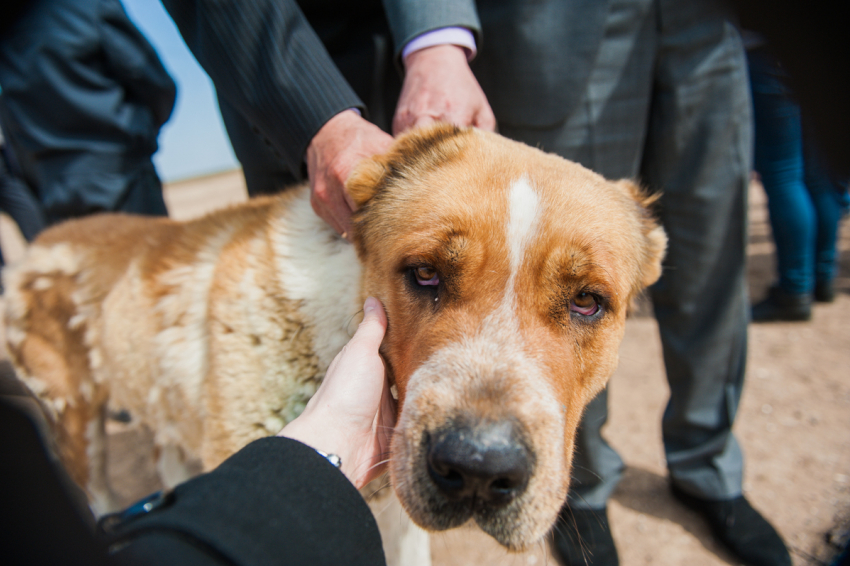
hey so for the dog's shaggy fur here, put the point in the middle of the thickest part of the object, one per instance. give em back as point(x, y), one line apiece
point(506, 274)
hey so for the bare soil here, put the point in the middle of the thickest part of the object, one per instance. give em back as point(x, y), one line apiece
point(793, 424)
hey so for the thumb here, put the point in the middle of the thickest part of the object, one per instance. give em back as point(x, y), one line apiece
point(485, 120)
point(371, 330)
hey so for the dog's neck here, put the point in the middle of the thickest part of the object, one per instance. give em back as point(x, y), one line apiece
point(320, 272)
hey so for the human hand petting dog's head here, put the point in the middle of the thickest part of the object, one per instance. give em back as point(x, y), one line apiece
point(334, 152)
point(353, 412)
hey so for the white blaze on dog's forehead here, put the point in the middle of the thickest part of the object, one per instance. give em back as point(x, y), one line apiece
point(523, 210)
point(497, 348)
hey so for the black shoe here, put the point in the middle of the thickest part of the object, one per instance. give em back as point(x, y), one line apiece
point(743, 531)
point(781, 305)
point(583, 538)
point(824, 292)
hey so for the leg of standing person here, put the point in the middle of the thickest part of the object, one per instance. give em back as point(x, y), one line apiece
point(829, 199)
point(607, 134)
point(698, 153)
point(779, 161)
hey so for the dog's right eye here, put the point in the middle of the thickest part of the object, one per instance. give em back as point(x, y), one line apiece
point(426, 275)
point(585, 304)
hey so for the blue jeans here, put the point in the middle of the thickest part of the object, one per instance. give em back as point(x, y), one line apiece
point(804, 201)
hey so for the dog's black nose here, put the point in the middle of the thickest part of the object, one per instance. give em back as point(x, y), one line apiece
point(486, 463)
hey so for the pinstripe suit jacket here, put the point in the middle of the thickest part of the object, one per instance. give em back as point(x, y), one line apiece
point(268, 62)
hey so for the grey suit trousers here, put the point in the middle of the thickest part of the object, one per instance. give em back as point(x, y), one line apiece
point(667, 102)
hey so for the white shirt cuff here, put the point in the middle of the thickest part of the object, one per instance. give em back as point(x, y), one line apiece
point(461, 37)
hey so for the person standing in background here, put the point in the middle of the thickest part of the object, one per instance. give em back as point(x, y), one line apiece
point(84, 98)
point(805, 200)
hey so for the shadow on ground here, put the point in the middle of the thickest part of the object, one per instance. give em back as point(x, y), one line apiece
point(648, 493)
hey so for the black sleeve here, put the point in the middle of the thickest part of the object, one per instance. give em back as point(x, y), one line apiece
point(274, 502)
point(10, 10)
point(44, 519)
point(267, 62)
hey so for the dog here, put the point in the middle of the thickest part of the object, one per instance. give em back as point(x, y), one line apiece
point(506, 274)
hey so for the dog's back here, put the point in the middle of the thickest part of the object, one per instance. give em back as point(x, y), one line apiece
point(126, 309)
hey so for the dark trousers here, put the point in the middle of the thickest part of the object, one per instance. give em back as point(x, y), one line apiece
point(667, 102)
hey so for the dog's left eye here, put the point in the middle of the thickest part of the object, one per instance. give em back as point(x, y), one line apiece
point(585, 304)
point(426, 275)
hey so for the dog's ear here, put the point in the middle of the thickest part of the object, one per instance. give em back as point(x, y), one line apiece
point(654, 237)
point(366, 179)
point(411, 154)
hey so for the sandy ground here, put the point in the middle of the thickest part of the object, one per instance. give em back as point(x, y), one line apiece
point(793, 424)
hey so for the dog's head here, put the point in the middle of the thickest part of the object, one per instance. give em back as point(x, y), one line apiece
point(506, 274)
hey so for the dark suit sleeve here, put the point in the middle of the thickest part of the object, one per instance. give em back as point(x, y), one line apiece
point(10, 10)
point(276, 501)
point(133, 61)
point(410, 18)
point(268, 63)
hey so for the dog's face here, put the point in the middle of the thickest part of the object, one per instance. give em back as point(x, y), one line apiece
point(506, 274)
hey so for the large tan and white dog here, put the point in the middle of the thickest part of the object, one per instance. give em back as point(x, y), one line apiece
point(505, 272)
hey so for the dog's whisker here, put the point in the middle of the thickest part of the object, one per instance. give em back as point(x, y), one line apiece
point(573, 479)
point(381, 511)
point(348, 323)
point(541, 545)
point(378, 490)
point(385, 483)
point(381, 463)
point(585, 552)
point(366, 462)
